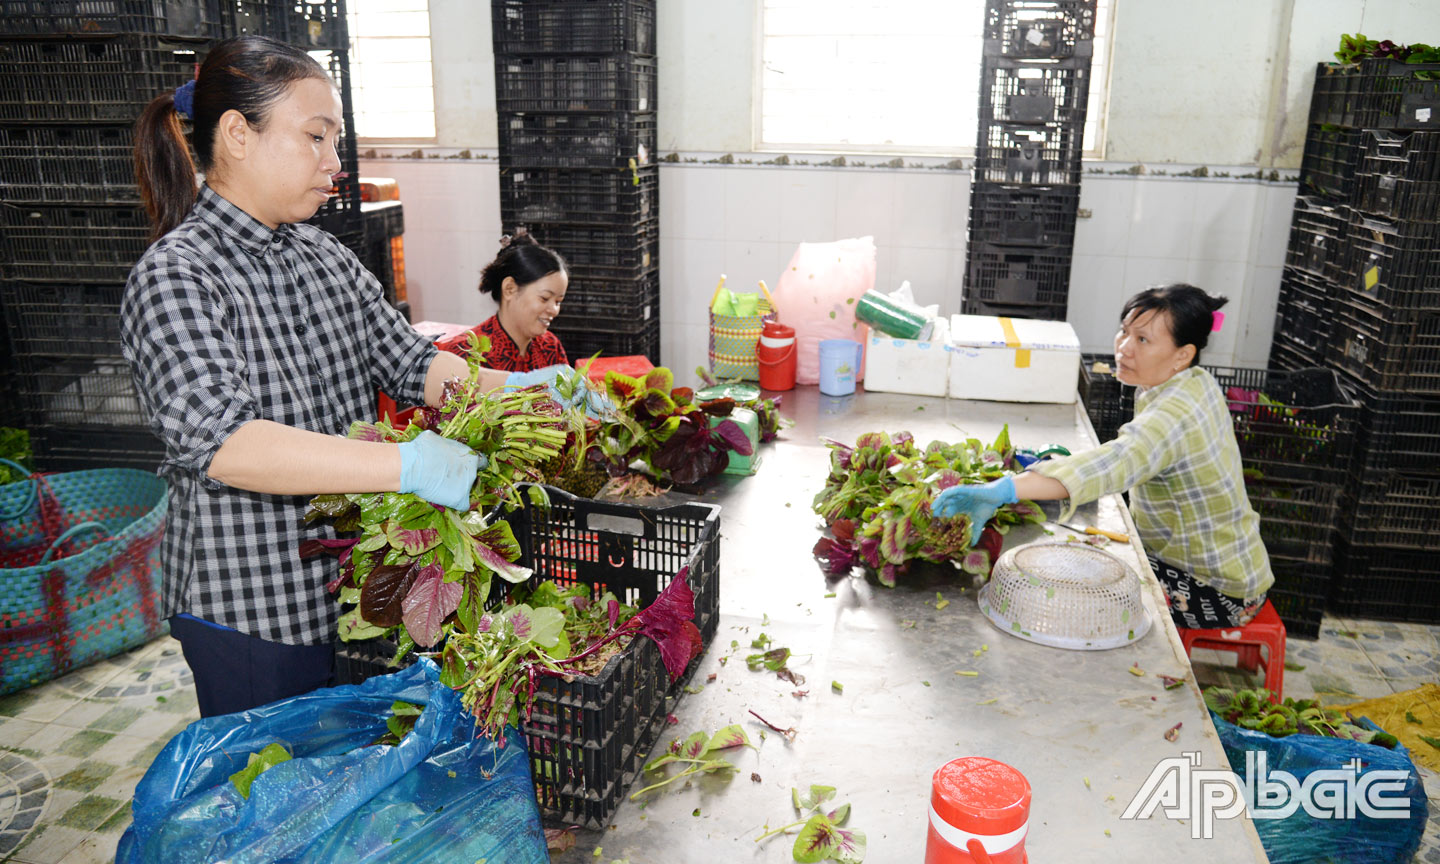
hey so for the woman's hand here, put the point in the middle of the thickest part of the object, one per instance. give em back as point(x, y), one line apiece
point(978, 501)
point(572, 382)
point(439, 470)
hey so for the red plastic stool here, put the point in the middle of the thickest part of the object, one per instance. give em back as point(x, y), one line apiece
point(1266, 630)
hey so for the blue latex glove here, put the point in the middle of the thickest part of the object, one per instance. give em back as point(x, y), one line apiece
point(597, 405)
point(978, 501)
point(439, 470)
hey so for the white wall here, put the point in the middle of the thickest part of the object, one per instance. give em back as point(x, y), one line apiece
point(1224, 84)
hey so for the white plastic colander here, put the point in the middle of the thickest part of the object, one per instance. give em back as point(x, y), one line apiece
point(1065, 595)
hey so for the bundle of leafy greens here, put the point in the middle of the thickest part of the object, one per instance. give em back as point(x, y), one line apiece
point(559, 632)
point(877, 504)
point(416, 565)
point(1355, 48)
point(1252, 709)
point(662, 426)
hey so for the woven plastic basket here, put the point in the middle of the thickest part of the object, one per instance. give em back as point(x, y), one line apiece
point(1065, 595)
point(79, 570)
point(733, 338)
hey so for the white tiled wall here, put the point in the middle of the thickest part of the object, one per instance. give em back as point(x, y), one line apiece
point(1225, 235)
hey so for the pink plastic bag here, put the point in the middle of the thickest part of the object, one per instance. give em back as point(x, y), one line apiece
point(817, 296)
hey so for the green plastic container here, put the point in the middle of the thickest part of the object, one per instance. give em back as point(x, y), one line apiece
point(750, 422)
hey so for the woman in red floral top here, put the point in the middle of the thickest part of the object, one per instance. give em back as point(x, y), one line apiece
point(529, 282)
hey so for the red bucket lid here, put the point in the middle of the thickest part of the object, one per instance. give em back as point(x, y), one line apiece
point(776, 330)
point(981, 796)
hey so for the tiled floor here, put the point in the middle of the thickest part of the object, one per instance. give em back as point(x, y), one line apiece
point(72, 750)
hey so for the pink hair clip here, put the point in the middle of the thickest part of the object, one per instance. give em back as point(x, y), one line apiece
point(1217, 320)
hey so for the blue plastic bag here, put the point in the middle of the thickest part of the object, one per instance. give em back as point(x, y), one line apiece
point(441, 795)
point(1302, 838)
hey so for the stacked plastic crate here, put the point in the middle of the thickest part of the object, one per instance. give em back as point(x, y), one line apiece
point(76, 77)
point(575, 92)
point(77, 74)
point(1034, 82)
point(1362, 296)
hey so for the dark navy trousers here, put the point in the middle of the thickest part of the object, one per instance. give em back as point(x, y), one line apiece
point(234, 672)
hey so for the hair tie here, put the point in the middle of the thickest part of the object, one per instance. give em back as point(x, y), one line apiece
point(1217, 319)
point(185, 98)
point(504, 241)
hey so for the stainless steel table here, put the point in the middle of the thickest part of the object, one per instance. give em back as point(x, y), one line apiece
point(1079, 725)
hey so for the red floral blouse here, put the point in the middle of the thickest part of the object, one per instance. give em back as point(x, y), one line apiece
point(545, 349)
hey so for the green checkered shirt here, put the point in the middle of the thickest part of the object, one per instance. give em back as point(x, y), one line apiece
point(1179, 460)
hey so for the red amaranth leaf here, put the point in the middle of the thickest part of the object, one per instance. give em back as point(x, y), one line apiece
point(730, 432)
point(412, 541)
point(384, 593)
point(430, 600)
point(838, 557)
point(663, 621)
point(324, 545)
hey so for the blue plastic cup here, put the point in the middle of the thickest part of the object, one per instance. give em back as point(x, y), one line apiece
point(839, 364)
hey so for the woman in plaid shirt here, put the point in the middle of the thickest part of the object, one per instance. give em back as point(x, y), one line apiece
point(1178, 458)
point(255, 340)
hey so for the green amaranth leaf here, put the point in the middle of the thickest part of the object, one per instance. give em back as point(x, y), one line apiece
point(1411, 718)
point(258, 763)
point(814, 798)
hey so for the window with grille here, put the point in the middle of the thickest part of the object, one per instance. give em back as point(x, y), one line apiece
point(887, 76)
point(391, 78)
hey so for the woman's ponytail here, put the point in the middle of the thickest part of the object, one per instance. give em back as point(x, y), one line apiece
point(163, 167)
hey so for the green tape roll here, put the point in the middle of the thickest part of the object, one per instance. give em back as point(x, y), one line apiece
point(889, 318)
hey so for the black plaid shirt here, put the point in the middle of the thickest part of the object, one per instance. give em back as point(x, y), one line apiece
point(225, 321)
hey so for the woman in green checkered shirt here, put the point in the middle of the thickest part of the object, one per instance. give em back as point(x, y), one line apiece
point(1178, 459)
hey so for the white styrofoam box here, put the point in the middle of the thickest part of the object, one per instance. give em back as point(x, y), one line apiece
point(1032, 361)
point(906, 366)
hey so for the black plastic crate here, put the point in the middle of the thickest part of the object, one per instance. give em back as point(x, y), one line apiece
point(81, 244)
point(1108, 403)
point(1040, 28)
point(1332, 156)
point(1399, 95)
point(577, 140)
point(1338, 95)
point(588, 738)
point(1018, 275)
point(1408, 155)
point(573, 26)
point(198, 18)
point(1393, 508)
point(383, 219)
point(1286, 356)
point(1305, 313)
point(1297, 519)
point(1385, 582)
point(91, 393)
point(62, 319)
point(1399, 431)
point(1303, 430)
point(1026, 215)
point(1300, 594)
point(621, 82)
point(1319, 237)
point(108, 79)
point(609, 252)
point(583, 343)
point(1397, 198)
point(63, 448)
point(1043, 155)
point(1385, 350)
point(615, 196)
point(1033, 91)
point(67, 164)
point(1394, 262)
point(611, 306)
point(311, 24)
point(1056, 312)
